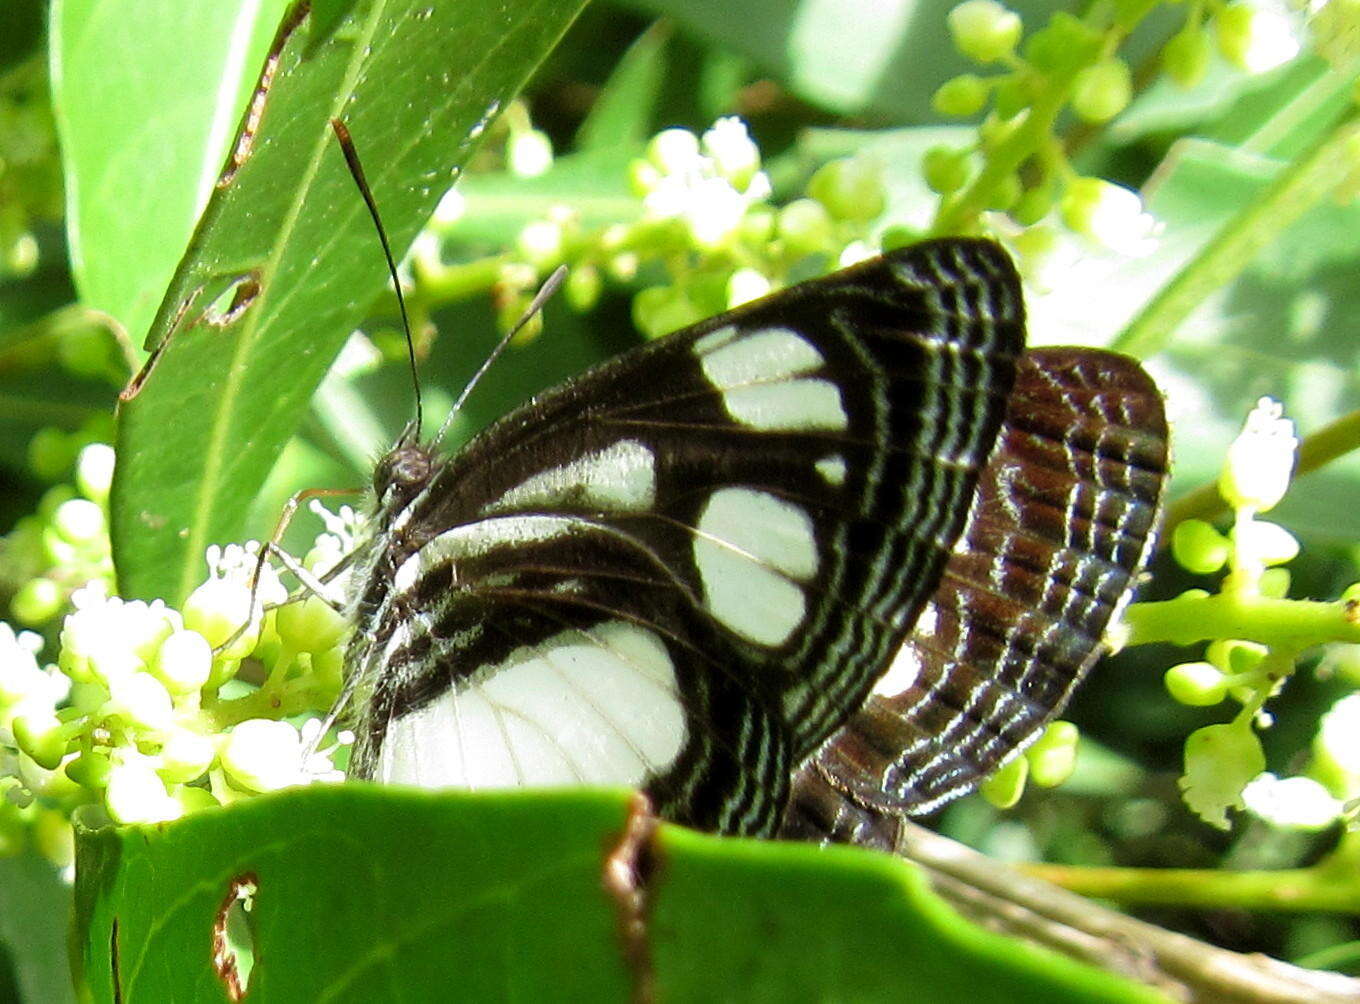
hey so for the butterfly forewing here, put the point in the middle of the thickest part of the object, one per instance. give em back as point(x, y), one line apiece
point(1062, 523)
point(684, 569)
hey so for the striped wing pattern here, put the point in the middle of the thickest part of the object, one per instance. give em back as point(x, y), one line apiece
point(685, 569)
point(1062, 525)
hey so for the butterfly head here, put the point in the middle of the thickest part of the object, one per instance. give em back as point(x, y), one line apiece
point(402, 473)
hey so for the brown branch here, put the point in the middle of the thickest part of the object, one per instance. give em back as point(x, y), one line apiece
point(1179, 966)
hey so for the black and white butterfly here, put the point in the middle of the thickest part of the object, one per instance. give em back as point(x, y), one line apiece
point(839, 551)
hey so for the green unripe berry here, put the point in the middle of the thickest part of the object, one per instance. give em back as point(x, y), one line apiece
point(984, 30)
point(945, 170)
point(1102, 91)
point(1004, 788)
point(1198, 684)
point(961, 97)
point(1185, 57)
point(850, 188)
point(1198, 547)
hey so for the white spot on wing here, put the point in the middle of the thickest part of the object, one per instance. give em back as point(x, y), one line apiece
point(619, 478)
point(750, 549)
point(756, 374)
point(903, 672)
point(582, 707)
point(832, 469)
point(474, 539)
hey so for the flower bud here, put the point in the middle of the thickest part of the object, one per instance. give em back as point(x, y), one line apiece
point(263, 755)
point(1260, 460)
point(1198, 547)
point(961, 97)
point(135, 794)
point(183, 662)
point(1053, 756)
point(1197, 684)
point(1004, 788)
point(984, 30)
point(1102, 91)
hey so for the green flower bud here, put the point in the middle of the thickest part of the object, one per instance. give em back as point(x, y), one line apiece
point(945, 170)
point(899, 236)
point(1102, 91)
point(1053, 756)
point(1198, 684)
point(1033, 205)
point(90, 770)
point(643, 177)
point(805, 226)
point(36, 602)
point(1004, 788)
point(183, 662)
point(1274, 583)
point(659, 310)
point(1235, 656)
point(962, 97)
point(583, 287)
point(185, 757)
point(541, 243)
point(529, 153)
point(135, 794)
point(41, 736)
point(142, 699)
point(216, 609)
point(850, 188)
point(984, 30)
point(310, 625)
point(1198, 547)
point(80, 521)
point(50, 453)
point(1185, 57)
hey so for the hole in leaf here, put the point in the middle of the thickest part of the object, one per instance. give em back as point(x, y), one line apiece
point(233, 301)
point(234, 936)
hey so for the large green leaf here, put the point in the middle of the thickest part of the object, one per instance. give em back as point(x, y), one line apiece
point(148, 94)
point(365, 894)
point(288, 241)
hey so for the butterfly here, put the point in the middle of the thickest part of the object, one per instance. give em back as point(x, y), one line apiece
point(836, 553)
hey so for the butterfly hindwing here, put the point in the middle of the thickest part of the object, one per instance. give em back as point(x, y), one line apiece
point(684, 569)
point(1062, 524)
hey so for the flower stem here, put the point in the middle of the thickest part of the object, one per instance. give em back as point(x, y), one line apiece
point(1275, 622)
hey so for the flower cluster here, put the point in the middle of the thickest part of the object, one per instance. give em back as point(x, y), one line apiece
point(150, 712)
point(1224, 763)
point(704, 213)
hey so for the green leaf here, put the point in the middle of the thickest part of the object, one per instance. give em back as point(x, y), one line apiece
point(360, 892)
point(35, 905)
point(622, 114)
point(147, 98)
point(284, 260)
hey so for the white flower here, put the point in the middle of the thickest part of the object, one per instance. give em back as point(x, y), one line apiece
point(264, 755)
point(137, 795)
point(1118, 221)
point(1260, 460)
point(1298, 802)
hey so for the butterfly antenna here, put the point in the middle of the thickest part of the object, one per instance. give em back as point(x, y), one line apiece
point(544, 293)
point(356, 172)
